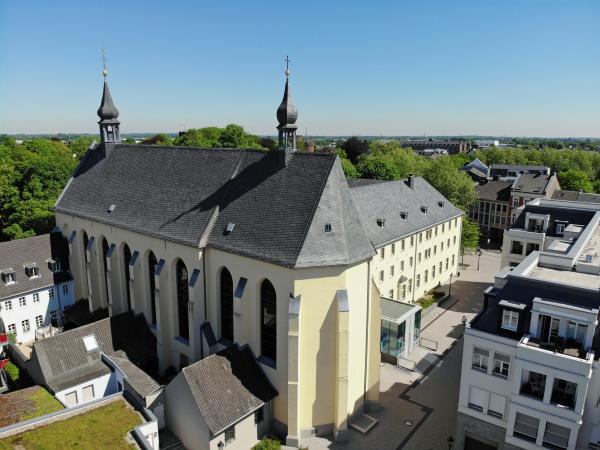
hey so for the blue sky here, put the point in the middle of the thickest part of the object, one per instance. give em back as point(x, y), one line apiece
point(510, 67)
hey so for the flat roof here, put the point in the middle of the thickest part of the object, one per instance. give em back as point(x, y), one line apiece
point(584, 280)
point(395, 310)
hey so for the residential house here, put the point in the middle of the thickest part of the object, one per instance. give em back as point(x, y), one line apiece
point(490, 210)
point(529, 186)
point(511, 172)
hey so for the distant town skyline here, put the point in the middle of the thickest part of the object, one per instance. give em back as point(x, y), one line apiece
point(395, 69)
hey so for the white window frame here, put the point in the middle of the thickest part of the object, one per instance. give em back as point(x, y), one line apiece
point(39, 322)
point(36, 297)
point(510, 319)
point(503, 366)
point(480, 361)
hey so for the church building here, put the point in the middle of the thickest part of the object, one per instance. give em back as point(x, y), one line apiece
point(222, 246)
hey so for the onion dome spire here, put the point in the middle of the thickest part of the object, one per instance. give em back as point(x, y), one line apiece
point(108, 112)
point(287, 114)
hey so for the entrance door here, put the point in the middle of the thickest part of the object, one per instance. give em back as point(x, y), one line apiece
point(544, 331)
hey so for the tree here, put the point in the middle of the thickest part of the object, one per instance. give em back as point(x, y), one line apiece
point(349, 169)
point(378, 167)
point(452, 183)
point(80, 145)
point(268, 143)
point(575, 180)
point(354, 148)
point(158, 139)
point(129, 140)
point(200, 137)
point(470, 234)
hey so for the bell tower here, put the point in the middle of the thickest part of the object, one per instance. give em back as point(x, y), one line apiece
point(108, 112)
point(287, 114)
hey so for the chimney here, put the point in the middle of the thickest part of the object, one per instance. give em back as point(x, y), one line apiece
point(411, 180)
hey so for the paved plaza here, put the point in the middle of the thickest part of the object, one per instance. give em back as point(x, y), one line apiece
point(418, 408)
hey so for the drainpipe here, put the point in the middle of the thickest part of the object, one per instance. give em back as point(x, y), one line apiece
point(205, 310)
point(367, 334)
point(414, 282)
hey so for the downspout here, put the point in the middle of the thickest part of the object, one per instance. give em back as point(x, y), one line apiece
point(414, 282)
point(367, 334)
point(205, 311)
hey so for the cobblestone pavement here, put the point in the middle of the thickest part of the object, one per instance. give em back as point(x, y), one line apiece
point(418, 409)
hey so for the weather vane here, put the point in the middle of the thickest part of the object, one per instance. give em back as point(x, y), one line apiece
point(287, 66)
point(104, 59)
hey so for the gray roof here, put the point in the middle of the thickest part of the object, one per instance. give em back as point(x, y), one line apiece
point(190, 195)
point(576, 196)
point(386, 200)
point(495, 190)
point(392, 309)
point(139, 380)
point(64, 361)
point(227, 386)
point(557, 214)
point(107, 110)
point(287, 114)
point(38, 249)
point(517, 167)
point(532, 183)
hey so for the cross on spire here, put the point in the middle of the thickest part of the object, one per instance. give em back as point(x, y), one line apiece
point(104, 60)
point(287, 66)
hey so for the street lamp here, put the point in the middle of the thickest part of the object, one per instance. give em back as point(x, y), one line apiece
point(450, 442)
point(478, 256)
point(220, 445)
point(464, 321)
point(450, 289)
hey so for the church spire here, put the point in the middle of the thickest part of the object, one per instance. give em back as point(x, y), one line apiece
point(287, 114)
point(108, 112)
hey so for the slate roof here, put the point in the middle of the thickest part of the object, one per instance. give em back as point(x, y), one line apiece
point(190, 195)
point(139, 380)
point(532, 183)
point(517, 167)
point(385, 200)
point(64, 361)
point(495, 190)
point(227, 386)
point(38, 249)
point(575, 196)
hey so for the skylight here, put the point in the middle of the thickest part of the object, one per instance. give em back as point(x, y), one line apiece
point(90, 343)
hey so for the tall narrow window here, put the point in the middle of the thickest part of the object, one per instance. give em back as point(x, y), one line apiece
point(126, 259)
point(152, 284)
point(226, 305)
point(104, 256)
point(183, 297)
point(268, 322)
point(86, 241)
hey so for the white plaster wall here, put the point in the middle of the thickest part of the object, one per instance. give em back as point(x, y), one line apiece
point(103, 386)
point(32, 309)
point(245, 436)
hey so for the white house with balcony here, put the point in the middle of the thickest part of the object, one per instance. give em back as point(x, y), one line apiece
point(530, 373)
point(35, 286)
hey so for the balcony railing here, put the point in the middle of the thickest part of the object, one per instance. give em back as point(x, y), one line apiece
point(569, 347)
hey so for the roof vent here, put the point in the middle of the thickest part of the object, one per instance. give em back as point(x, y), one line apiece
point(404, 215)
point(327, 228)
point(111, 208)
point(441, 203)
point(90, 343)
point(424, 209)
point(230, 227)
point(381, 223)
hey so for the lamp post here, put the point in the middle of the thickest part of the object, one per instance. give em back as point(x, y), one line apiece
point(220, 445)
point(478, 256)
point(450, 442)
point(450, 289)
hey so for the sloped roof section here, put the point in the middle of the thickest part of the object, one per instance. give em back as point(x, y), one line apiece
point(227, 386)
point(387, 200)
point(191, 196)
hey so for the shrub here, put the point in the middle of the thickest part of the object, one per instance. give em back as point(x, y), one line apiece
point(12, 372)
point(267, 443)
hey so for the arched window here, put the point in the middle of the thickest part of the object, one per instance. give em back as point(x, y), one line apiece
point(268, 321)
point(183, 297)
point(226, 305)
point(126, 259)
point(152, 284)
point(104, 255)
point(86, 241)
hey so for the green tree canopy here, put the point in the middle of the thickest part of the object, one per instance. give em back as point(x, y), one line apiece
point(470, 234)
point(575, 180)
point(158, 139)
point(354, 148)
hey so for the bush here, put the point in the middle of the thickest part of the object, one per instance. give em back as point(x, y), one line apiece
point(268, 443)
point(426, 301)
point(12, 372)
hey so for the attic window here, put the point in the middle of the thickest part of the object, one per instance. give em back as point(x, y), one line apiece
point(111, 208)
point(381, 223)
point(54, 265)
point(8, 276)
point(424, 209)
point(441, 203)
point(90, 343)
point(403, 215)
point(327, 228)
point(230, 227)
point(32, 270)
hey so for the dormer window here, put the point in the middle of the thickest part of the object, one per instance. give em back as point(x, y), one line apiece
point(32, 271)
point(424, 209)
point(8, 276)
point(560, 228)
point(54, 265)
point(441, 203)
point(381, 223)
point(510, 320)
point(327, 228)
point(403, 215)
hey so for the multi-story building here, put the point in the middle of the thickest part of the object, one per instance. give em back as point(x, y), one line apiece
point(576, 196)
point(529, 186)
point(218, 247)
point(530, 375)
point(490, 210)
point(511, 172)
point(35, 285)
point(452, 147)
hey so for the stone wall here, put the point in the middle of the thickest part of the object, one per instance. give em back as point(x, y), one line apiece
point(483, 431)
